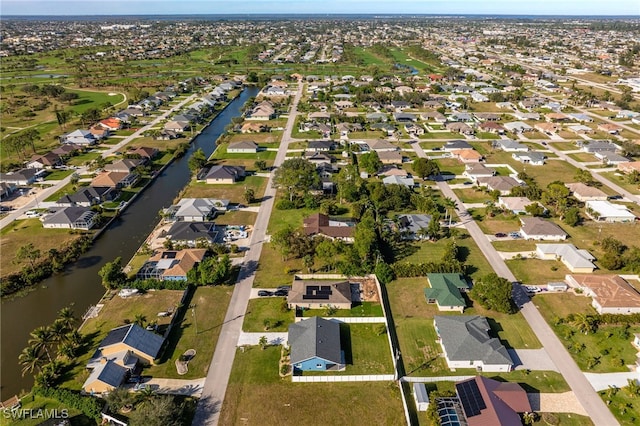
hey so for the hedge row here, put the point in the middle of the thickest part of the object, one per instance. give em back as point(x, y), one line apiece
point(87, 405)
point(404, 269)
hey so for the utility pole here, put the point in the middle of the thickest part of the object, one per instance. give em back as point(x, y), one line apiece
point(193, 313)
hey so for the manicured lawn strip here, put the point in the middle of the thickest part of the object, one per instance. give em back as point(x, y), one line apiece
point(233, 192)
point(537, 271)
point(366, 351)
point(624, 407)
point(199, 333)
point(516, 245)
point(504, 223)
point(583, 157)
point(21, 232)
point(221, 153)
point(82, 159)
point(58, 174)
point(37, 403)
point(272, 270)
point(534, 381)
point(563, 419)
point(280, 219)
point(256, 393)
point(270, 309)
point(236, 218)
point(364, 309)
point(68, 189)
point(450, 165)
point(610, 345)
point(564, 146)
point(622, 181)
point(472, 195)
point(440, 135)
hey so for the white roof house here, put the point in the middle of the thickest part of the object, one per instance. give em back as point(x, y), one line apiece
point(533, 158)
point(516, 205)
point(509, 145)
point(398, 180)
point(604, 211)
point(518, 127)
point(576, 260)
point(197, 209)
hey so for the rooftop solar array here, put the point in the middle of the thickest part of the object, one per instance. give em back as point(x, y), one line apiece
point(470, 397)
point(317, 292)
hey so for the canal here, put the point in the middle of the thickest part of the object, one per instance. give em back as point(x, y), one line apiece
point(79, 285)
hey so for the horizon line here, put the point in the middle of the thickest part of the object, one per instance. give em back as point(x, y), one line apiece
point(332, 14)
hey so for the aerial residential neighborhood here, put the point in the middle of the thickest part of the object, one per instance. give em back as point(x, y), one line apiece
point(320, 219)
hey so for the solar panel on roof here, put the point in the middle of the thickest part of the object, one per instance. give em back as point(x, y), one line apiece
point(470, 397)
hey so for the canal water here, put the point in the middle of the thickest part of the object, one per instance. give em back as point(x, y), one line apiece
point(80, 284)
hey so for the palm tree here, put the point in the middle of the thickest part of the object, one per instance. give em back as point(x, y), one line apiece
point(263, 342)
point(584, 323)
point(58, 331)
point(140, 320)
point(30, 359)
point(67, 316)
point(42, 337)
point(449, 205)
point(67, 350)
point(74, 337)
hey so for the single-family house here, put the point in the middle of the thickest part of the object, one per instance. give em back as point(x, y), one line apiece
point(576, 260)
point(611, 294)
point(456, 145)
point(486, 401)
point(321, 224)
point(320, 146)
point(221, 174)
point(518, 127)
point(263, 111)
point(70, 218)
point(377, 117)
point(580, 129)
point(314, 294)
point(459, 127)
point(196, 209)
point(547, 128)
point(115, 180)
point(171, 265)
point(491, 127)
point(599, 146)
point(509, 145)
point(125, 165)
point(487, 116)
point(315, 345)
point(466, 343)
point(610, 128)
point(105, 377)
point(21, 177)
point(66, 150)
point(474, 171)
point(467, 155)
point(604, 211)
point(317, 157)
point(584, 192)
point(611, 158)
point(629, 167)
point(45, 161)
point(145, 152)
point(380, 145)
point(516, 205)
point(253, 127)
point(502, 184)
point(192, 233)
point(177, 126)
point(535, 228)
point(413, 226)
point(433, 117)
point(523, 116)
point(111, 123)
point(445, 291)
point(88, 196)
point(79, 137)
point(242, 147)
point(390, 157)
point(399, 180)
point(479, 97)
point(532, 158)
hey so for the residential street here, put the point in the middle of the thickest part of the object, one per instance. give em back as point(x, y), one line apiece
point(591, 402)
point(45, 193)
point(215, 385)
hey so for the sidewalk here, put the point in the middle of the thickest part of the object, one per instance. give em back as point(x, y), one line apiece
point(176, 386)
point(273, 338)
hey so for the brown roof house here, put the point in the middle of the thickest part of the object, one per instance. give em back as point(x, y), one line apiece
point(503, 184)
point(320, 294)
point(321, 224)
point(611, 294)
point(584, 192)
point(115, 179)
point(488, 402)
point(171, 265)
point(534, 228)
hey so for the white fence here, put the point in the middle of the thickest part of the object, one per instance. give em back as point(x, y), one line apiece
point(435, 379)
point(358, 378)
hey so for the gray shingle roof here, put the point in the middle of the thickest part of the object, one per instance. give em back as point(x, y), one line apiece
point(315, 337)
point(466, 338)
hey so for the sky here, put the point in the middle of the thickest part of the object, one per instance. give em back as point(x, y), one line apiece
point(162, 7)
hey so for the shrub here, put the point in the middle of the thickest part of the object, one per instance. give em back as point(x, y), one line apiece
point(88, 405)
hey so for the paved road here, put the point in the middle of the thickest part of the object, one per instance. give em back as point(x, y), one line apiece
point(215, 386)
point(591, 402)
point(45, 193)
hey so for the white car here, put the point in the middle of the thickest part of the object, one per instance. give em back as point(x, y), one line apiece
point(32, 213)
point(533, 289)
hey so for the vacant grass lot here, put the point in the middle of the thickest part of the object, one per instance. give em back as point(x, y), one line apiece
point(536, 271)
point(432, 252)
point(256, 394)
point(21, 232)
point(221, 153)
point(607, 350)
point(58, 174)
point(271, 309)
point(413, 318)
point(625, 407)
point(236, 218)
point(472, 195)
point(621, 180)
point(272, 270)
point(233, 192)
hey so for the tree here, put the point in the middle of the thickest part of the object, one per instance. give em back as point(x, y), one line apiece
point(493, 292)
point(433, 229)
point(535, 209)
point(140, 320)
point(307, 261)
point(349, 183)
point(424, 168)
point(58, 330)
point(384, 272)
point(41, 338)
point(118, 398)
point(450, 207)
point(572, 216)
point(159, 410)
point(249, 195)
point(112, 274)
point(296, 175)
point(370, 162)
point(197, 160)
point(584, 176)
point(585, 323)
point(365, 239)
point(30, 358)
point(263, 342)
point(28, 252)
point(261, 165)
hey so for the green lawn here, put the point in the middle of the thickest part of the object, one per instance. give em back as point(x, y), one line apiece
point(256, 394)
point(58, 174)
point(472, 195)
point(440, 135)
point(221, 153)
point(450, 165)
point(621, 180)
point(607, 350)
point(624, 406)
point(364, 309)
point(536, 271)
point(272, 270)
point(37, 403)
point(267, 309)
point(233, 192)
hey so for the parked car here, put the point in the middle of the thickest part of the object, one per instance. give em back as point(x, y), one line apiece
point(281, 293)
point(284, 287)
point(264, 293)
point(500, 235)
point(32, 213)
point(533, 289)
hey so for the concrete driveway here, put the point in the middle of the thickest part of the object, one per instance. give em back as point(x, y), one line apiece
point(602, 381)
point(531, 359)
point(254, 338)
point(176, 386)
